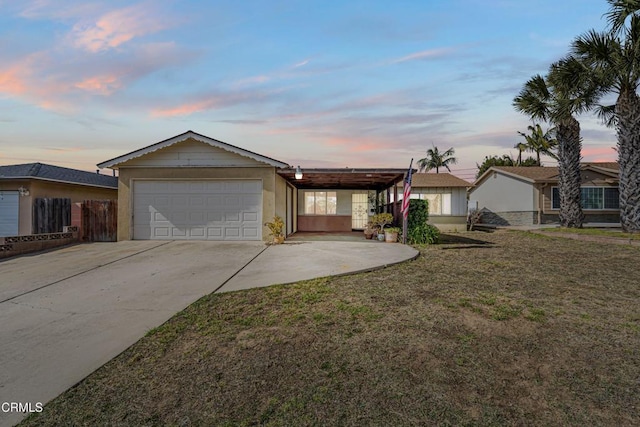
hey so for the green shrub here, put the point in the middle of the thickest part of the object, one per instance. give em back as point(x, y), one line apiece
point(419, 232)
point(418, 213)
point(423, 234)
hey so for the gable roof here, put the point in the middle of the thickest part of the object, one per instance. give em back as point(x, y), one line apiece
point(47, 172)
point(534, 174)
point(113, 163)
point(432, 180)
point(531, 173)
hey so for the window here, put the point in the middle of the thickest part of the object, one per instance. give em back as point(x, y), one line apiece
point(611, 198)
point(320, 202)
point(439, 204)
point(592, 198)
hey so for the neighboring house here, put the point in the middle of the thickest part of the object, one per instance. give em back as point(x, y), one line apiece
point(447, 197)
point(21, 185)
point(512, 195)
point(194, 187)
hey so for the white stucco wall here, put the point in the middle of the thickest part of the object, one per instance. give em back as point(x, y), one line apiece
point(503, 193)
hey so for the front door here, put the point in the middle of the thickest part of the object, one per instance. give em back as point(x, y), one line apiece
point(359, 207)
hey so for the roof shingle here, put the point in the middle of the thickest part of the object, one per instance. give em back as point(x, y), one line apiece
point(437, 180)
point(57, 173)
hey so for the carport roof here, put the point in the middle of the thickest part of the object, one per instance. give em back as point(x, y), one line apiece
point(344, 178)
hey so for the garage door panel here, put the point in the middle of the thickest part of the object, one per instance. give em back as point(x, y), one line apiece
point(215, 217)
point(214, 187)
point(196, 201)
point(250, 233)
point(201, 210)
point(215, 233)
point(232, 232)
point(251, 187)
point(250, 216)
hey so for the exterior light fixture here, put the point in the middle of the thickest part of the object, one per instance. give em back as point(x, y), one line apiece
point(23, 191)
point(298, 174)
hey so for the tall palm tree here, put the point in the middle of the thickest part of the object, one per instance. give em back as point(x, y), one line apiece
point(436, 160)
point(614, 59)
point(568, 90)
point(539, 142)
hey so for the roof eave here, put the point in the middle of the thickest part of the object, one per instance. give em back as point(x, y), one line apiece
point(115, 162)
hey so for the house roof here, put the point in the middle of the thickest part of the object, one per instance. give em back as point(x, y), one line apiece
point(432, 180)
point(47, 172)
point(535, 174)
point(344, 178)
point(115, 162)
point(532, 173)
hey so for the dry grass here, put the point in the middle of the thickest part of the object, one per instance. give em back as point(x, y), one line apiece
point(511, 328)
point(598, 232)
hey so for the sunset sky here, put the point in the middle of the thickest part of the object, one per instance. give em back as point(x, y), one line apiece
point(312, 83)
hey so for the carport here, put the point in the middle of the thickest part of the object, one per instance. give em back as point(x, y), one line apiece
point(338, 199)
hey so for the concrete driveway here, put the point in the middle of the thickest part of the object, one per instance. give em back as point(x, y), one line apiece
point(65, 313)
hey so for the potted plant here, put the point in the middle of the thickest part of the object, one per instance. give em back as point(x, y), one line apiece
point(391, 234)
point(380, 220)
point(369, 230)
point(275, 227)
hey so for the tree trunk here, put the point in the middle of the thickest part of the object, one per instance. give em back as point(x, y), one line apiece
point(569, 147)
point(628, 130)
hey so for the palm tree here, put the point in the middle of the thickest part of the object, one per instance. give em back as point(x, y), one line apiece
point(522, 147)
point(436, 160)
point(568, 90)
point(613, 59)
point(539, 142)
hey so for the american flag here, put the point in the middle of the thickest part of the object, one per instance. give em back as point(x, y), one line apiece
point(407, 192)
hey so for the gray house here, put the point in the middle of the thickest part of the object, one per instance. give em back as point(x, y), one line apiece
point(513, 195)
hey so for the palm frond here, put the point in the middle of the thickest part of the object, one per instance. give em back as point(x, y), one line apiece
point(606, 113)
point(620, 11)
point(533, 99)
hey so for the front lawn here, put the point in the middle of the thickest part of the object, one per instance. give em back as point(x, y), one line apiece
point(598, 232)
point(485, 329)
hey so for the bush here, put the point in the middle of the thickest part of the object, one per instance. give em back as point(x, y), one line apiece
point(419, 232)
point(423, 234)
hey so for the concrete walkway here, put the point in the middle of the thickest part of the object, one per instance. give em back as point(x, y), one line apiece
point(67, 312)
point(295, 261)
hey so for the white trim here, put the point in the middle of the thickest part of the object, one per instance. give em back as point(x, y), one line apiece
point(113, 163)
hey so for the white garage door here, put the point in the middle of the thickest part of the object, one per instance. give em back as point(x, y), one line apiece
point(197, 210)
point(9, 213)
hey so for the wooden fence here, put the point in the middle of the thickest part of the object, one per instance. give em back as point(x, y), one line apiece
point(51, 215)
point(99, 220)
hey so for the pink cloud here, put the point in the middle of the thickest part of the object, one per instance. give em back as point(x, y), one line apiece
point(11, 81)
point(599, 154)
point(103, 85)
point(184, 109)
point(114, 28)
point(426, 54)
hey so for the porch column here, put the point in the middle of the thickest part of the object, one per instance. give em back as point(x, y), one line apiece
point(395, 199)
